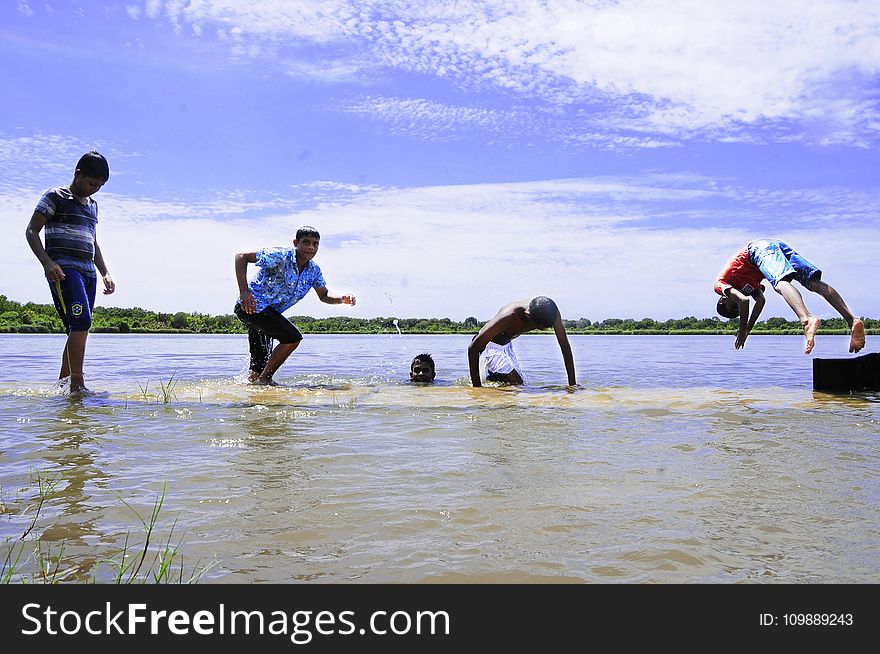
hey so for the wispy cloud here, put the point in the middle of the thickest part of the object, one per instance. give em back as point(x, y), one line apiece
point(684, 69)
point(438, 121)
point(39, 161)
point(331, 71)
point(430, 120)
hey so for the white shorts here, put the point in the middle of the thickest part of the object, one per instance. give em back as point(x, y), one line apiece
point(500, 359)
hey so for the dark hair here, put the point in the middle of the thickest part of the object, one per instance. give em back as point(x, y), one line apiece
point(93, 164)
point(307, 230)
point(724, 310)
point(424, 358)
point(543, 311)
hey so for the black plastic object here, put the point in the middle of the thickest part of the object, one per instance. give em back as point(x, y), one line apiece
point(855, 374)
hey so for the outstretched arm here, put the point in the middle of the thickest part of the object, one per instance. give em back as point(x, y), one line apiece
point(746, 322)
point(325, 296)
point(565, 347)
point(32, 235)
point(245, 297)
point(758, 296)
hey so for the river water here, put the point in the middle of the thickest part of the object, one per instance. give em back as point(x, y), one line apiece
point(677, 459)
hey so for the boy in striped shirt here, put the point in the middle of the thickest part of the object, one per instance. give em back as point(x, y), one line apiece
point(70, 256)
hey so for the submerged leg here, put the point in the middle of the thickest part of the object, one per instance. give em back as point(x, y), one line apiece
point(512, 377)
point(72, 362)
point(279, 356)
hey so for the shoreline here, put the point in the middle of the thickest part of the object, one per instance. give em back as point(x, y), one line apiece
point(31, 331)
point(16, 317)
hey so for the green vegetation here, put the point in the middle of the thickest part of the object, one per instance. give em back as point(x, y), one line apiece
point(164, 391)
point(41, 318)
point(28, 559)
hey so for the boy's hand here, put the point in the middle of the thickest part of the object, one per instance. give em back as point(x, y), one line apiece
point(109, 284)
point(741, 337)
point(349, 299)
point(53, 271)
point(247, 301)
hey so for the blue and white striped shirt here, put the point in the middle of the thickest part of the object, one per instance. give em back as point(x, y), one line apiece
point(70, 229)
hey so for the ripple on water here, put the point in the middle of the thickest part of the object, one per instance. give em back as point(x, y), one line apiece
point(360, 478)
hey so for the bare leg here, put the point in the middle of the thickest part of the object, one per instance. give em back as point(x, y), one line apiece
point(809, 322)
point(65, 363)
point(279, 356)
point(72, 361)
point(857, 342)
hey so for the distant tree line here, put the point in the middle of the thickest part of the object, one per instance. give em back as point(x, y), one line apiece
point(42, 318)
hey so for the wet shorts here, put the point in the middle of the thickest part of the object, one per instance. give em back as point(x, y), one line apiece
point(74, 298)
point(500, 361)
point(778, 262)
point(263, 327)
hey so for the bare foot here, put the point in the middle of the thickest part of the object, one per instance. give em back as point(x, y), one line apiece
point(857, 342)
point(810, 330)
point(77, 388)
point(261, 381)
point(77, 392)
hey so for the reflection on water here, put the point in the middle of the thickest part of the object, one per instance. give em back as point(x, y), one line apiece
point(677, 460)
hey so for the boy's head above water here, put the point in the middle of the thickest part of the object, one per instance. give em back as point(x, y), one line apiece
point(422, 368)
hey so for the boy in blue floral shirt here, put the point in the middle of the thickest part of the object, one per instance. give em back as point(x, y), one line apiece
point(286, 276)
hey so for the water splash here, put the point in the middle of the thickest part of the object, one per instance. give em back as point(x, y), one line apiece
point(397, 327)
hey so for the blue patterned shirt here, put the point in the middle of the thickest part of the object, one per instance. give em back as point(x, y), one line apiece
point(279, 284)
point(70, 229)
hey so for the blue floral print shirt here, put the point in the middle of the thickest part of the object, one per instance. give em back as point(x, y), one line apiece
point(279, 284)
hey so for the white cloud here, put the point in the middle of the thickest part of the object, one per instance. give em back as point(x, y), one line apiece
point(24, 8)
point(45, 148)
point(154, 8)
point(678, 68)
point(437, 121)
point(429, 120)
point(330, 71)
point(44, 160)
point(279, 18)
point(601, 247)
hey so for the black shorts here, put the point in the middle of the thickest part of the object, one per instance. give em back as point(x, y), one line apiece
point(263, 327)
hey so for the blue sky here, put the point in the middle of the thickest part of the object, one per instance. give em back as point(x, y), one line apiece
point(454, 155)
